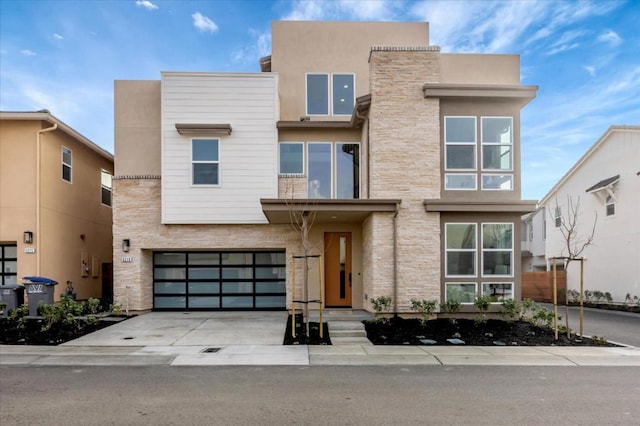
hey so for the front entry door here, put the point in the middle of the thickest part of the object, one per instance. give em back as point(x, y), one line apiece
point(337, 267)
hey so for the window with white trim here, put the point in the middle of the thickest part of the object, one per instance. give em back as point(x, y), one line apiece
point(557, 217)
point(105, 187)
point(333, 170)
point(460, 249)
point(497, 153)
point(291, 158)
point(497, 249)
point(610, 206)
point(460, 153)
point(205, 162)
point(67, 159)
point(495, 257)
point(330, 96)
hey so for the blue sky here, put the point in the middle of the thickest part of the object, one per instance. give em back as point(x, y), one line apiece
point(585, 56)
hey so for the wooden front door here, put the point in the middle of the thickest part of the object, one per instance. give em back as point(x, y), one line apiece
point(337, 267)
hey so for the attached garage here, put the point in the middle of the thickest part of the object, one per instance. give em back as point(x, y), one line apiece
point(219, 280)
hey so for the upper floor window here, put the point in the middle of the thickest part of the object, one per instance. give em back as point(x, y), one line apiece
point(610, 205)
point(291, 158)
point(333, 170)
point(461, 153)
point(66, 164)
point(335, 96)
point(105, 180)
point(557, 216)
point(205, 161)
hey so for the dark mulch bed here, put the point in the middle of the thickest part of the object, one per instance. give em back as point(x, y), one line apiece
point(399, 331)
point(32, 333)
point(301, 333)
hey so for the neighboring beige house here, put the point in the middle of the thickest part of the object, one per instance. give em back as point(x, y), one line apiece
point(606, 181)
point(405, 162)
point(55, 204)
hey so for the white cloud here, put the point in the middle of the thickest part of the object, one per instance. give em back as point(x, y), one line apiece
point(562, 48)
point(610, 37)
point(146, 4)
point(590, 69)
point(371, 10)
point(58, 36)
point(203, 23)
point(261, 46)
point(27, 52)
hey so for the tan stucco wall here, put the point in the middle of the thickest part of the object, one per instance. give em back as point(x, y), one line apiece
point(301, 47)
point(137, 127)
point(404, 146)
point(137, 217)
point(67, 211)
point(457, 68)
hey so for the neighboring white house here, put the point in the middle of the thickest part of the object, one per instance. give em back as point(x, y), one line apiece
point(533, 241)
point(606, 182)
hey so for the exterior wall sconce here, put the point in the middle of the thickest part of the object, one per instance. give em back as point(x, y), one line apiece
point(27, 237)
point(126, 243)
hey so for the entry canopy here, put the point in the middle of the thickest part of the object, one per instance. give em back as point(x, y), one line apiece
point(40, 280)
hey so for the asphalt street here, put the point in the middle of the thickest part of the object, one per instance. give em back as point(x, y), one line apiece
point(434, 395)
point(620, 327)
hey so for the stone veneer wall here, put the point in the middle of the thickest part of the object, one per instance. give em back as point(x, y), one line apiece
point(404, 143)
point(136, 216)
point(292, 187)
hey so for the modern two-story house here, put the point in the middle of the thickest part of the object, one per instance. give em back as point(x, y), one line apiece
point(55, 205)
point(395, 166)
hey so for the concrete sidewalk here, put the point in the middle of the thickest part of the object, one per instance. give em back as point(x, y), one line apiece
point(318, 355)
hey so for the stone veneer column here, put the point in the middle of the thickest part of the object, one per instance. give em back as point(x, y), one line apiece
point(404, 143)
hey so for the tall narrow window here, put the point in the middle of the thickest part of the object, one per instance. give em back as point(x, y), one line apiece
point(558, 217)
point(343, 94)
point(347, 170)
point(610, 205)
point(205, 161)
point(460, 152)
point(497, 153)
point(291, 158)
point(105, 180)
point(66, 164)
point(317, 94)
point(319, 170)
point(460, 243)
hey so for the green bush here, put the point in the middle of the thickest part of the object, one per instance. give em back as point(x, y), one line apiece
point(510, 308)
point(424, 307)
point(451, 306)
point(381, 305)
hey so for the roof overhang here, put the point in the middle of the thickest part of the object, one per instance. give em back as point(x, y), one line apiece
point(265, 64)
point(520, 94)
point(280, 211)
point(357, 118)
point(45, 115)
point(604, 184)
point(520, 207)
point(203, 129)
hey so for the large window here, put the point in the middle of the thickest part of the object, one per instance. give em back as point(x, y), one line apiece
point(105, 187)
point(66, 164)
point(497, 249)
point(461, 153)
point(330, 96)
point(205, 161)
point(461, 248)
point(333, 170)
point(496, 259)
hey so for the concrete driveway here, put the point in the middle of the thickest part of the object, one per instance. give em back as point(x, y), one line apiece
point(191, 329)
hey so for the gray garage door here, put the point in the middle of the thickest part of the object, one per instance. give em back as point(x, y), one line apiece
point(220, 280)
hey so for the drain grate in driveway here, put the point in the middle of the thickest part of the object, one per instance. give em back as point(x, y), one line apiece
point(210, 350)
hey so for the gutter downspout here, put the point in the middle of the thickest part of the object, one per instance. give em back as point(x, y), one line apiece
point(38, 191)
point(395, 261)
point(366, 120)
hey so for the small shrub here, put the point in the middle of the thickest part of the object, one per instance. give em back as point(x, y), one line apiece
point(92, 306)
point(527, 306)
point(482, 303)
point(588, 295)
point(510, 308)
point(424, 307)
point(115, 309)
point(381, 305)
point(598, 295)
point(451, 306)
point(608, 296)
point(573, 296)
